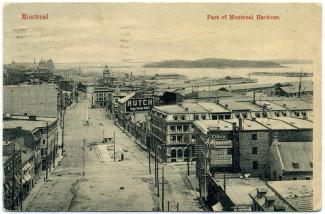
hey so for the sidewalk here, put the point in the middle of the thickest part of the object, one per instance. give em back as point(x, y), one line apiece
point(139, 143)
point(195, 185)
point(39, 184)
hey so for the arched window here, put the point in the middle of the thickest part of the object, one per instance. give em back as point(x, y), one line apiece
point(179, 153)
point(173, 153)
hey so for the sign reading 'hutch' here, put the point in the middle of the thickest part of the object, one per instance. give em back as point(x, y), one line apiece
point(140, 104)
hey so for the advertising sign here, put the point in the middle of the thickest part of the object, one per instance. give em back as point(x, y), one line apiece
point(139, 104)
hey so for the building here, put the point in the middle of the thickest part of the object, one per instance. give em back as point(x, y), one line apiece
point(295, 89)
point(207, 95)
point(284, 196)
point(169, 96)
point(243, 146)
point(31, 100)
point(12, 178)
point(272, 109)
point(290, 161)
point(139, 101)
point(171, 130)
point(113, 98)
point(168, 76)
point(101, 96)
point(289, 129)
point(41, 136)
point(296, 107)
point(234, 192)
point(242, 109)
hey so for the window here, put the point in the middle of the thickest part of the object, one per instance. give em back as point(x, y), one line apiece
point(284, 114)
point(254, 136)
point(182, 117)
point(196, 117)
point(229, 151)
point(175, 117)
point(297, 114)
point(173, 138)
point(185, 128)
point(277, 114)
point(173, 128)
point(304, 113)
point(227, 117)
point(258, 115)
point(308, 178)
point(264, 114)
point(179, 128)
point(244, 115)
point(254, 150)
point(237, 115)
point(255, 164)
point(295, 165)
point(295, 178)
point(221, 117)
point(203, 117)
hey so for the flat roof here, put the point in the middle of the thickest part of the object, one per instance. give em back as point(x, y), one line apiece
point(213, 108)
point(294, 104)
point(239, 105)
point(193, 108)
point(27, 124)
point(248, 125)
point(238, 189)
point(170, 109)
point(297, 122)
point(205, 125)
point(275, 124)
point(270, 106)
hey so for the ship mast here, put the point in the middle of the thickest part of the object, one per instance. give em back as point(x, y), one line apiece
point(300, 84)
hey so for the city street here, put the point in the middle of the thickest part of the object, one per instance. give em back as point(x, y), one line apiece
point(107, 185)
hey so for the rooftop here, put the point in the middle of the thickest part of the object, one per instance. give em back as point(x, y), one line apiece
point(239, 106)
point(26, 124)
point(298, 153)
point(275, 124)
point(294, 104)
point(238, 189)
point(205, 125)
point(270, 106)
point(126, 98)
point(193, 108)
point(298, 193)
point(212, 107)
point(248, 124)
point(297, 122)
point(170, 109)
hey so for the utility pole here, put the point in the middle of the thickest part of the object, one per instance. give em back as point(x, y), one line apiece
point(163, 190)
point(83, 160)
point(188, 149)
point(47, 141)
point(114, 145)
point(21, 183)
point(62, 146)
point(148, 147)
point(155, 164)
point(300, 84)
point(224, 183)
point(13, 190)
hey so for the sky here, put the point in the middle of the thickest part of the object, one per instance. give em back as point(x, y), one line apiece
point(113, 32)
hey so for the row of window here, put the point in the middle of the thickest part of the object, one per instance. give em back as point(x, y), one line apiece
point(179, 128)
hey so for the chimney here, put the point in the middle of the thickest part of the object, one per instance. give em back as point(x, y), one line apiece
point(234, 126)
point(240, 122)
point(269, 200)
point(279, 208)
point(261, 191)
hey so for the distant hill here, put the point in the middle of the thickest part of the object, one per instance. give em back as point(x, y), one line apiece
point(294, 61)
point(213, 63)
